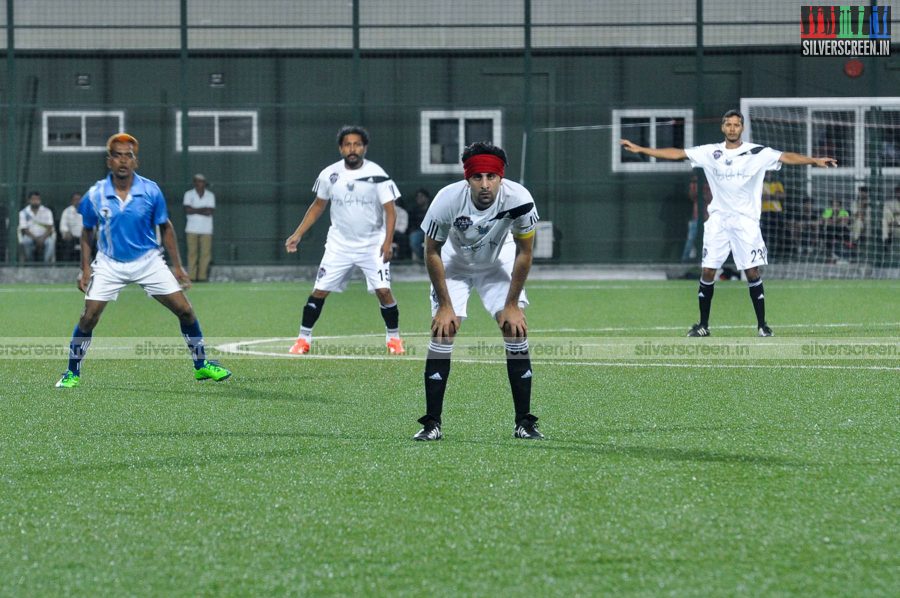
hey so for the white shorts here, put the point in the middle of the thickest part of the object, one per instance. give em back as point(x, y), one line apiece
point(736, 233)
point(337, 267)
point(108, 276)
point(491, 283)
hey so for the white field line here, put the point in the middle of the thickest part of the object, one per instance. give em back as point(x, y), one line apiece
point(240, 348)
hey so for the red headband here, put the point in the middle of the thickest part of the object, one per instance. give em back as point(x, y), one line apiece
point(483, 163)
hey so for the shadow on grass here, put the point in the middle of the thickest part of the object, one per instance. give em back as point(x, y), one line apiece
point(227, 389)
point(655, 453)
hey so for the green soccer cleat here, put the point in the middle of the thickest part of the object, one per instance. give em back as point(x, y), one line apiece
point(211, 371)
point(68, 380)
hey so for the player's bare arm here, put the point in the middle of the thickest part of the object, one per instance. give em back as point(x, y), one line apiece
point(445, 324)
point(792, 159)
point(666, 153)
point(87, 246)
point(390, 220)
point(170, 242)
point(512, 319)
point(312, 214)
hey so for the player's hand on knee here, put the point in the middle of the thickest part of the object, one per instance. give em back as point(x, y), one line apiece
point(512, 322)
point(444, 325)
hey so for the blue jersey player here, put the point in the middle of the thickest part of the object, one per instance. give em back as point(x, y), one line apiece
point(124, 209)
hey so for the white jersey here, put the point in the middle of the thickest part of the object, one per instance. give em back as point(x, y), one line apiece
point(476, 237)
point(735, 175)
point(356, 198)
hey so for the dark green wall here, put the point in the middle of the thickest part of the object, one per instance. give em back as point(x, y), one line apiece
point(303, 99)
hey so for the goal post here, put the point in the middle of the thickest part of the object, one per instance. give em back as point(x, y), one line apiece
point(830, 222)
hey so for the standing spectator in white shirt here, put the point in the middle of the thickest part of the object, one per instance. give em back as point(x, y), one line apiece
point(70, 225)
point(199, 205)
point(37, 235)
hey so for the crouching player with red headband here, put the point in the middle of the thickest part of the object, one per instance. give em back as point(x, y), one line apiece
point(479, 234)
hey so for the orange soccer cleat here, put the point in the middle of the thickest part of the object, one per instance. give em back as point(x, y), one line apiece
point(301, 347)
point(395, 346)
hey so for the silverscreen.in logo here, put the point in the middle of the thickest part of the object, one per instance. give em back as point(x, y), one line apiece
point(845, 30)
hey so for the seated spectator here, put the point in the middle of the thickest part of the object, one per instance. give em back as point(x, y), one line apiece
point(37, 235)
point(70, 230)
point(416, 216)
point(805, 228)
point(890, 227)
point(835, 229)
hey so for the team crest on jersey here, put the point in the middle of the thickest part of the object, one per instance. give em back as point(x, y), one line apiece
point(717, 154)
point(483, 229)
point(333, 177)
point(351, 185)
point(462, 223)
point(728, 162)
point(320, 274)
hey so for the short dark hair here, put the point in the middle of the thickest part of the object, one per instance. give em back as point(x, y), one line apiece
point(32, 194)
point(352, 130)
point(731, 113)
point(484, 147)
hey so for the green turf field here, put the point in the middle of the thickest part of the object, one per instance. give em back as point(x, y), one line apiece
point(770, 472)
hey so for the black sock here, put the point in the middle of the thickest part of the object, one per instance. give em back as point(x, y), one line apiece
point(759, 300)
point(518, 368)
point(311, 311)
point(705, 295)
point(391, 315)
point(437, 371)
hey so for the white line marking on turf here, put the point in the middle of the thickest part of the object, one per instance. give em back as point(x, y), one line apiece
point(239, 348)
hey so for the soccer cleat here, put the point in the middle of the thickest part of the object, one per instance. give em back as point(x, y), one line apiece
point(68, 380)
point(431, 429)
point(395, 346)
point(527, 428)
point(764, 330)
point(211, 371)
point(699, 330)
point(301, 347)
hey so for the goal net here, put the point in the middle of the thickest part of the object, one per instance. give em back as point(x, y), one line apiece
point(835, 222)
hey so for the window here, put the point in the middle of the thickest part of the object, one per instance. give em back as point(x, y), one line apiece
point(651, 128)
point(219, 131)
point(446, 132)
point(85, 131)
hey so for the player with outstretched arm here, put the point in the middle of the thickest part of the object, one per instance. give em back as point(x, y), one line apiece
point(735, 171)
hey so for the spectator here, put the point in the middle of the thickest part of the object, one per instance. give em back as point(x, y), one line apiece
point(861, 215)
point(835, 229)
point(401, 226)
point(70, 225)
point(805, 228)
point(890, 226)
point(199, 205)
point(689, 253)
point(772, 216)
point(416, 216)
point(37, 235)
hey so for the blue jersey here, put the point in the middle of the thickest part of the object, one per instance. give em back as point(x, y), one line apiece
point(127, 229)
